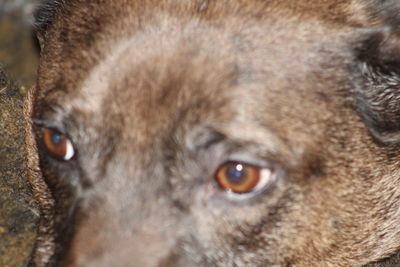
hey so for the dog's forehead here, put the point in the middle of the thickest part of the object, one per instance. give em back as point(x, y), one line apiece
point(181, 72)
point(289, 46)
point(216, 76)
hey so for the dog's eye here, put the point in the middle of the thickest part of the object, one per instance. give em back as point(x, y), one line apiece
point(241, 178)
point(57, 144)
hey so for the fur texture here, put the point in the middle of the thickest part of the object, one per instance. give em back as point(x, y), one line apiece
point(156, 95)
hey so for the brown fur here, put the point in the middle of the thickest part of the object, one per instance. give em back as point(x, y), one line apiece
point(155, 95)
point(45, 243)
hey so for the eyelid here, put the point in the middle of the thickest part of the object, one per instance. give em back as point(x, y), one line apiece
point(250, 159)
point(64, 124)
point(41, 123)
point(48, 124)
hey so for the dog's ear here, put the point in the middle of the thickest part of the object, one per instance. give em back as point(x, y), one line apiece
point(44, 16)
point(383, 11)
point(377, 91)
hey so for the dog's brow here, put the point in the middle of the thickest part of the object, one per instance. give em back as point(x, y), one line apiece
point(202, 138)
point(55, 116)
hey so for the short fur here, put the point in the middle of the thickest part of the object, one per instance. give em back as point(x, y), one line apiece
point(156, 95)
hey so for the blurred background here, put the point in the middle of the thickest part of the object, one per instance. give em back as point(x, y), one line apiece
point(18, 49)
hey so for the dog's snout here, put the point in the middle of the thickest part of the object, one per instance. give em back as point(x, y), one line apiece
point(113, 239)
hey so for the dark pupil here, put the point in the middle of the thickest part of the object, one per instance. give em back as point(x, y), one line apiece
point(236, 173)
point(56, 138)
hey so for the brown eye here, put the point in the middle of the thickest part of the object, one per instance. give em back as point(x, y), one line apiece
point(238, 178)
point(57, 144)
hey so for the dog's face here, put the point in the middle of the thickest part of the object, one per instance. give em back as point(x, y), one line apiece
point(202, 133)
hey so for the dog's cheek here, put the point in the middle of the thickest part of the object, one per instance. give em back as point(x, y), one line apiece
point(236, 233)
point(65, 196)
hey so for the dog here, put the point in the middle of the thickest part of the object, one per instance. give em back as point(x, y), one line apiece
point(216, 133)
